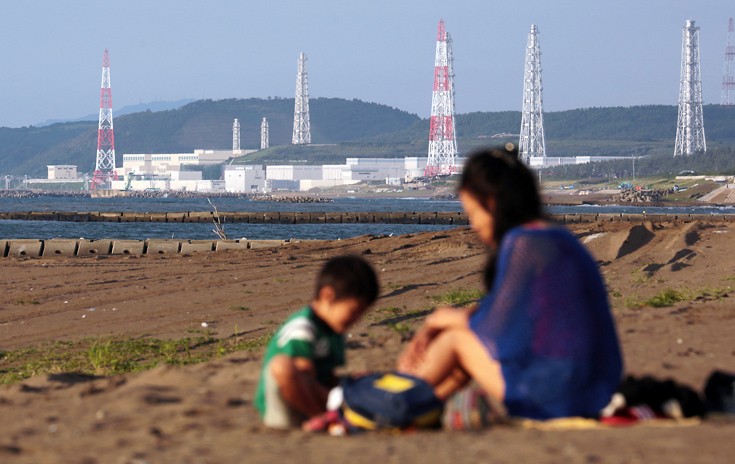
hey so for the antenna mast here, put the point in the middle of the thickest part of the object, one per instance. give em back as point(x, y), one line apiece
point(442, 138)
point(690, 124)
point(301, 125)
point(264, 136)
point(728, 76)
point(531, 143)
point(236, 137)
point(104, 169)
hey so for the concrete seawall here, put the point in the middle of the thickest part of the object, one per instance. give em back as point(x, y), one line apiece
point(29, 248)
point(443, 218)
point(35, 248)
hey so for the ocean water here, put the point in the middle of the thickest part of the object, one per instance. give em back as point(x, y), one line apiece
point(196, 231)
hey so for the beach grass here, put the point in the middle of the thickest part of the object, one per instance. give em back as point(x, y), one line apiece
point(110, 356)
point(670, 297)
point(458, 297)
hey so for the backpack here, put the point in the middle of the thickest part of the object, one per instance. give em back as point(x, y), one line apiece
point(389, 400)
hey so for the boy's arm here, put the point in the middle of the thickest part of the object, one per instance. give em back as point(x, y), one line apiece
point(297, 383)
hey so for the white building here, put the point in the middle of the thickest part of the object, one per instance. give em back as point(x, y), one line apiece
point(62, 172)
point(244, 179)
point(167, 171)
point(392, 171)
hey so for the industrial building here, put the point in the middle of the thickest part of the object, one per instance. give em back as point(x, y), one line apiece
point(172, 171)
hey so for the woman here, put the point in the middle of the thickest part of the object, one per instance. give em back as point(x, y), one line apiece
point(542, 340)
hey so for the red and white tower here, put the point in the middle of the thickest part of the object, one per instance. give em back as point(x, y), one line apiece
point(442, 139)
point(728, 76)
point(104, 169)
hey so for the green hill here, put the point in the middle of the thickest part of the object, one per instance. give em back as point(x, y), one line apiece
point(201, 124)
point(347, 128)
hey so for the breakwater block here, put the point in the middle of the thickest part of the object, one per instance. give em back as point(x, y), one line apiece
point(3, 248)
point(191, 246)
point(175, 217)
point(43, 216)
point(349, 218)
point(162, 247)
point(70, 216)
point(226, 218)
point(110, 217)
point(259, 244)
point(287, 218)
point(94, 247)
point(381, 218)
point(127, 247)
point(365, 218)
point(6, 215)
point(128, 216)
point(609, 217)
point(24, 248)
point(302, 218)
point(222, 245)
point(158, 217)
point(199, 216)
point(333, 218)
point(427, 218)
point(19, 215)
point(397, 218)
point(451, 218)
point(60, 247)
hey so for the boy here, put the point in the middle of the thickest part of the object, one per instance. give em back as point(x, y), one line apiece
point(299, 362)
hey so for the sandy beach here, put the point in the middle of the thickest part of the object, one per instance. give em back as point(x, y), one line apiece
point(202, 412)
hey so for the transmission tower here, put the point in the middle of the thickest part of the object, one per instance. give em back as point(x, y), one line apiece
point(690, 125)
point(442, 139)
point(104, 169)
point(531, 142)
point(264, 136)
point(301, 125)
point(236, 137)
point(728, 76)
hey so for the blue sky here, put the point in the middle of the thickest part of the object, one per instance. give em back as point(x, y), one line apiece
point(594, 53)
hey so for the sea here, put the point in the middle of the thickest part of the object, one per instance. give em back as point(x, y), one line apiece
point(11, 229)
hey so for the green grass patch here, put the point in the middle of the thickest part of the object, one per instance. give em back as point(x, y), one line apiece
point(665, 298)
point(459, 297)
point(110, 356)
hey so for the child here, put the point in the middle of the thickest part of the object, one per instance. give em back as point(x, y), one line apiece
point(299, 363)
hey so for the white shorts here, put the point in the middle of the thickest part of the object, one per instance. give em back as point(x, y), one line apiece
point(278, 413)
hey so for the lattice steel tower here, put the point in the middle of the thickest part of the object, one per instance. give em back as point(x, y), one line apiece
point(531, 142)
point(236, 137)
point(301, 125)
point(264, 136)
point(690, 125)
point(728, 76)
point(104, 169)
point(442, 138)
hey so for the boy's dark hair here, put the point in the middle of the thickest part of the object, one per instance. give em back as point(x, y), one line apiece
point(351, 277)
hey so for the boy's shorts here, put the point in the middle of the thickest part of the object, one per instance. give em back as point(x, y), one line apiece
point(278, 414)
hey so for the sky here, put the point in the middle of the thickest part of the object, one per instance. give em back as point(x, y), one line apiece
point(595, 53)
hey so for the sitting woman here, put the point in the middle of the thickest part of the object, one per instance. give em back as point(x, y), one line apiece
point(542, 341)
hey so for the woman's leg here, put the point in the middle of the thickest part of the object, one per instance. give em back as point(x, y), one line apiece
point(460, 350)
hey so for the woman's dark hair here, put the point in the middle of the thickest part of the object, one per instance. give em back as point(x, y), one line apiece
point(498, 174)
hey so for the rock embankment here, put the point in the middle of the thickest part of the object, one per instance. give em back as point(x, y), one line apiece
point(644, 196)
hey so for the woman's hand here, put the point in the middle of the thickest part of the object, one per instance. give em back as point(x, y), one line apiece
point(441, 319)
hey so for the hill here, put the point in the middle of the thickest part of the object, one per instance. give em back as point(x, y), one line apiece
point(201, 124)
point(346, 128)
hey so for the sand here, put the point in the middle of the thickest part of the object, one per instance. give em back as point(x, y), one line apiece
point(202, 413)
